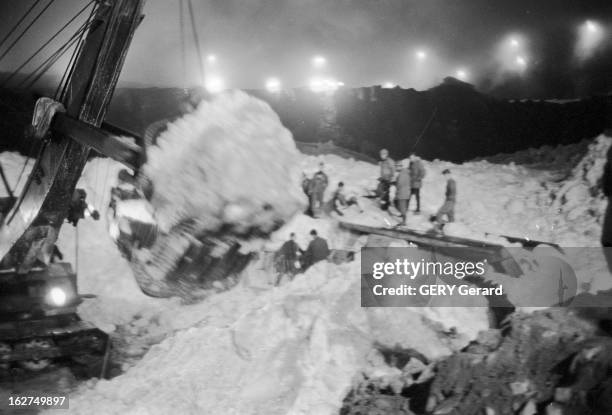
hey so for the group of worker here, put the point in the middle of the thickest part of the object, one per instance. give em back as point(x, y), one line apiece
point(315, 188)
point(408, 182)
point(290, 259)
point(407, 179)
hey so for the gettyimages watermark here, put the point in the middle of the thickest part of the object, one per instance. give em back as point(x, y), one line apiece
point(486, 276)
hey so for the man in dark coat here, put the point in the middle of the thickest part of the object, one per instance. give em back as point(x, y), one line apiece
point(287, 258)
point(317, 250)
point(79, 208)
point(417, 174)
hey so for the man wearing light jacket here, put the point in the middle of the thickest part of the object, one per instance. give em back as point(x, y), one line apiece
point(387, 174)
point(417, 174)
point(404, 187)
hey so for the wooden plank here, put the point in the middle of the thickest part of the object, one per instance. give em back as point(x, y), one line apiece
point(463, 248)
point(421, 237)
point(129, 154)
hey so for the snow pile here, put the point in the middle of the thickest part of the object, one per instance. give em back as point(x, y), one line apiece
point(580, 200)
point(230, 162)
point(291, 349)
point(296, 348)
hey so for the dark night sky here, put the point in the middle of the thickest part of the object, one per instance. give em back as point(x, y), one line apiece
point(365, 42)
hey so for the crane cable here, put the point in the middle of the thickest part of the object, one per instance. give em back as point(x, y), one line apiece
point(16, 71)
point(38, 72)
point(10, 47)
point(80, 33)
point(76, 249)
point(26, 162)
point(433, 114)
point(48, 64)
point(196, 39)
point(10, 32)
point(60, 95)
point(6, 184)
point(183, 52)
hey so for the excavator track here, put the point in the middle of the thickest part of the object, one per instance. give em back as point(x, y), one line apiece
point(34, 345)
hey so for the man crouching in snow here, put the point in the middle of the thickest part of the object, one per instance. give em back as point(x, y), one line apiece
point(340, 201)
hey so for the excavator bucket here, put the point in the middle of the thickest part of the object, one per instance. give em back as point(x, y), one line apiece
point(178, 262)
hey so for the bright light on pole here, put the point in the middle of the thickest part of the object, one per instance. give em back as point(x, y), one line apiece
point(591, 35)
point(512, 53)
point(591, 26)
point(211, 59)
point(273, 85)
point(421, 55)
point(462, 74)
point(319, 61)
point(214, 84)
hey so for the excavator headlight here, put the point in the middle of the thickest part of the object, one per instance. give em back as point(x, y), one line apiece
point(57, 297)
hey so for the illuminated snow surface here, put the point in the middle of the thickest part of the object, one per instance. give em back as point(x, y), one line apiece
point(297, 348)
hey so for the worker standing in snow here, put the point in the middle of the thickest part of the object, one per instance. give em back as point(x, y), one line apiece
point(448, 208)
point(417, 174)
point(387, 174)
point(79, 208)
point(404, 187)
point(317, 250)
point(305, 184)
point(318, 184)
point(606, 234)
point(287, 258)
point(307, 191)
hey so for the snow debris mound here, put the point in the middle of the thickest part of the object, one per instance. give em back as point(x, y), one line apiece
point(292, 349)
point(580, 200)
point(229, 163)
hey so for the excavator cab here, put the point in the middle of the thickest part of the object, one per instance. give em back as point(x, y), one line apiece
point(39, 323)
